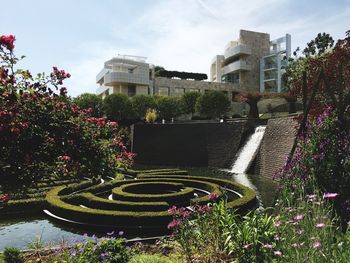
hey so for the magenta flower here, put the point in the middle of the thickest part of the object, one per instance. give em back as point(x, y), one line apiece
point(213, 196)
point(247, 247)
point(175, 223)
point(172, 210)
point(330, 195)
point(320, 225)
point(316, 244)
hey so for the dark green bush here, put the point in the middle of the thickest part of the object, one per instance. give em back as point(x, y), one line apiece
point(12, 255)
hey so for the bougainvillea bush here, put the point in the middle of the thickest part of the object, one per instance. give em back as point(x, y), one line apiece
point(43, 134)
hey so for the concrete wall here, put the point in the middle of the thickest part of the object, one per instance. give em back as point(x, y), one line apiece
point(276, 145)
point(194, 144)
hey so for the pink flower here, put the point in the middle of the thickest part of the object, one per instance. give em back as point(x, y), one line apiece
point(269, 246)
point(247, 246)
point(213, 196)
point(4, 198)
point(316, 244)
point(113, 123)
point(330, 195)
point(172, 210)
point(299, 217)
point(299, 232)
point(175, 223)
point(8, 41)
point(277, 224)
point(64, 158)
point(277, 253)
point(320, 225)
point(311, 197)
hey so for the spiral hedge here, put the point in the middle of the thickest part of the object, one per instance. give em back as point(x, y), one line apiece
point(144, 200)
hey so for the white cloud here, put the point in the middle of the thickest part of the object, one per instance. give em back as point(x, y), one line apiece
point(186, 35)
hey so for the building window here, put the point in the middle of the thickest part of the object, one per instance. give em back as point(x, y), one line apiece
point(231, 78)
point(130, 70)
point(131, 90)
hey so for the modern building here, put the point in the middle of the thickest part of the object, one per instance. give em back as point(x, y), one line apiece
point(252, 62)
point(132, 75)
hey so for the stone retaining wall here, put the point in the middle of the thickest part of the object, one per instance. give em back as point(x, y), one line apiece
point(192, 144)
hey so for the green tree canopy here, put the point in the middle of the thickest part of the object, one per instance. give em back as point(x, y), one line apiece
point(189, 100)
point(213, 104)
point(168, 107)
point(89, 100)
point(141, 103)
point(117, 107)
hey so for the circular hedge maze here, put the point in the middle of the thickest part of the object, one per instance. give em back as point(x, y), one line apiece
point(144, 199)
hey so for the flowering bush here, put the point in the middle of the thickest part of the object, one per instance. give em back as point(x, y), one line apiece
point(106, 249)
point(43, 133)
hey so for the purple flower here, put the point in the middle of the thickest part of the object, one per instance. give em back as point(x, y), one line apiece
point(311, 197)
point(316, 244)
point(121, 233)
point(320, 225)
point(104, 256)
point(330, 195)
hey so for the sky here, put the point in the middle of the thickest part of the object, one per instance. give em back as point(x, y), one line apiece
point(184, 35)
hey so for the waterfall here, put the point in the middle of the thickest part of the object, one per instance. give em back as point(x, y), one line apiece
point(247, 153)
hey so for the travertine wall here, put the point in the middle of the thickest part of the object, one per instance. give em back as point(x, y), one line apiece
point(193, 144)
point(260, 45)
point(276, 145)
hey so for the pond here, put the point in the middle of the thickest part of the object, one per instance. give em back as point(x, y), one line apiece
point(21, 231)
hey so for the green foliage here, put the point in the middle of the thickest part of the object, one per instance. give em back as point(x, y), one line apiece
point(118, 107)
point(168, 107)
point(189, 100)
point(161, 72)
point(319, 45)
point(148, 258)
point(109, 250)
point(141, 104)
point(12, 255)
point(91, 102)
point(213, 104)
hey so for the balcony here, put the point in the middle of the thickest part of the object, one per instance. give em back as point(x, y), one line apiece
point(240, 65)
point(112, 78)
point(237, 50)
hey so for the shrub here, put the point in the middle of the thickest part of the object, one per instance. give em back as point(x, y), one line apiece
point(12, 255)
point(168, 107)
point(90, 102)
point(118, 107)
point(44, 134)
point(141, 105)
point(213, 104)
point(107, 249)
point(189, 100)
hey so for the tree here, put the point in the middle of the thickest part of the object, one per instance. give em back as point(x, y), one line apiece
point(189, 100)
point(141, 103)
point(252, 99)
point(213, 104)
point(319, 45)
point(117, 107)
point(90, 101)
point(168, 107)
